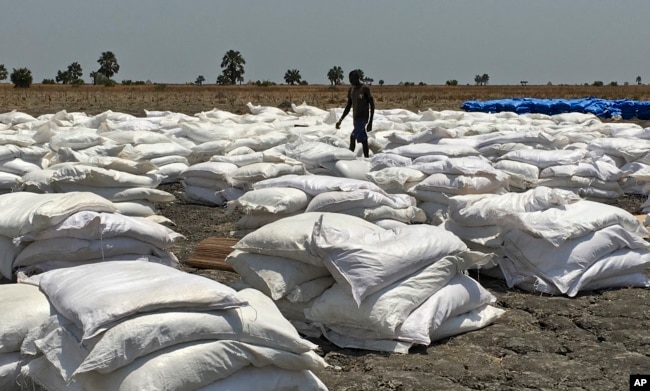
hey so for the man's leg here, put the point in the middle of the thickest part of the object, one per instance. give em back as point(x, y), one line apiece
point(366, 149)
point(353, 144)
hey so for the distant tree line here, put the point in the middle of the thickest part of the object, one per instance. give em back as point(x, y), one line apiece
point(232, 72)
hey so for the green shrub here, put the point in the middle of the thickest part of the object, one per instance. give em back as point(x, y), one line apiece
point(21, 77)
point(264, 83)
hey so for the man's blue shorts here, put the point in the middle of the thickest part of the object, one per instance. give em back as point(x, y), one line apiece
point(359, 132)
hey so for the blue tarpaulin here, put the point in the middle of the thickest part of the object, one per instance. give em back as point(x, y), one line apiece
point(603, 108)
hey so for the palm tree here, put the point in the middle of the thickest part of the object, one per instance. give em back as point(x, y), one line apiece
point(199, 80)
point(638, 80)
point(292, 76)
point(233, 67)
point(108, 65)
point(335, 75)
point(74, 71)
point(3, 72)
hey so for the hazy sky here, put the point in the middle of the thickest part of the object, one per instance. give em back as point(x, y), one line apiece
point(431, 41)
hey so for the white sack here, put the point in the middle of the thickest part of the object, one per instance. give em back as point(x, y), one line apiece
point(211, 170)
point(364, 263)
point(574, 220)
point(598, 169)
point(316, 184)
point(291, 237)
point(526, 172)
point(190, 365)
point(309, 290)
point(462, 184)
point(416, 150)
point(336, 201)
point(154, 150)
point(202, 195)
point(249, 174)
point(545, 158)
point(563, 265)
point(469, 321)
point(273, 378)
point(259, 323)
point(462, 294)
point(385, 310)
point(393, 179)
point(23, 307)
point(79, 250)
point(356, 169)
point(408, 215)
point(314, 153)
point(490, 209)
point(272, 200)
point(274, 276)
point(101, 177)
point(23, 212)
point(95, 297)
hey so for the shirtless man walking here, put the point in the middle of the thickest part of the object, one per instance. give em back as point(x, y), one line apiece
point(362, 103)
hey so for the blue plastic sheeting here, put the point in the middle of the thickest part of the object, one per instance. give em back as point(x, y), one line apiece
point(603, 108)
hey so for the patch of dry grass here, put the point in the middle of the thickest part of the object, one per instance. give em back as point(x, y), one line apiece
point(189, 99)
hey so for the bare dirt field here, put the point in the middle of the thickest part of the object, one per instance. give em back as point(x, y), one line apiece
point(590, 342)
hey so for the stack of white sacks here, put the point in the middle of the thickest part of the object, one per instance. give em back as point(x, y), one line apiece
point(208, 183)
point(572, 151)
point(365, 286)
point(555, 242)
point(23, 307)
point(584, 173)
point(96, 154)
point(284, 196)
point(225, 178)
point(435, 167)
point(131, 325)
point(630, 148)
point(233, 152)
point(17, 160)
point(433, 179)
point(39, 232)
point(19, 152)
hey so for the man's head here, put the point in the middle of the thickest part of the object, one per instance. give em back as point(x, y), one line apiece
point(355, 77)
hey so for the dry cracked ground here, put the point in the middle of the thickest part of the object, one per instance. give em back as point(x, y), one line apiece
point(590, 342)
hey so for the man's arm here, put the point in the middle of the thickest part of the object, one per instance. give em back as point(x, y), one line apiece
point(371, 103)
point(348, 106)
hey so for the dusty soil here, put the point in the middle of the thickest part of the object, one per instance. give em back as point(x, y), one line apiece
point(590, 342)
